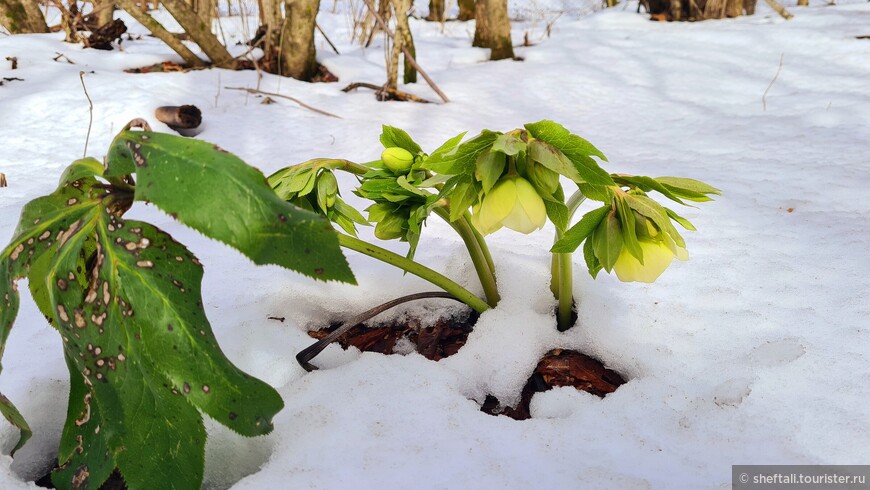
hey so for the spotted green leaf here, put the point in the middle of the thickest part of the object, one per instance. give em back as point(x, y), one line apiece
point(217, 194)
point(125, 298)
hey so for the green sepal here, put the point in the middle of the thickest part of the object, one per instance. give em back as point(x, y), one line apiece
point(217, 194)
point(580, 231)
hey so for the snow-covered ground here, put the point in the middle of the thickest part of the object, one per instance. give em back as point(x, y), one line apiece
point(756, 351)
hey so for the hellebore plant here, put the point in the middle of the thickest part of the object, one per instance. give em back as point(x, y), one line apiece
point(512, 180)
point(125, 296)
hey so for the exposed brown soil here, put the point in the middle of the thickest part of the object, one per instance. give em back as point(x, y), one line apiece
point(443, 339)
point(559, 368)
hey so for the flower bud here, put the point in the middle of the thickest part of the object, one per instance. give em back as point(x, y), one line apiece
point(327, 190)
point(513, 203)
point(398, 160)
point(392, 226)
point(543, 178)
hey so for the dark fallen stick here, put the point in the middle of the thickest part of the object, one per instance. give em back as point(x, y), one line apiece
point(319, 29)
point(179, 117)
point(14, 61)
point(381, 91)
point(306, 355)
point(3, 180)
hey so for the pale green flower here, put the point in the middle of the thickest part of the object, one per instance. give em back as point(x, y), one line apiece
point(514, 203)
point(657, 256)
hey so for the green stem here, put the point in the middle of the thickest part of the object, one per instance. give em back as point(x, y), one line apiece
point(415, 268)
point(478, 257)
point(562, 281)
point(482, 243)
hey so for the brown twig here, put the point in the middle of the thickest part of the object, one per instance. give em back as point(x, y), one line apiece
point(90, 113)
point(306, 355)
point(320, 30)
point(14, 61)
point(293, 99)
point(408, 56)
point(3, 180)
point(381, 90)
point(764, 95)
point(779, 9)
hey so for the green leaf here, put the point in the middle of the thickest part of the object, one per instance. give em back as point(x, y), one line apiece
point(8, 312)
point(577, 233)
point(464, 158)
point(597, 192)
point(679, 219)
point(558, 213)
point(126, 300)
point(592, 262)
point(646, 184)
point(607, 240)
point(550, 157)
point(463, 195)
point(691, 189)
point(626, 217)
point(509, 144)
point(395, 137)
point(577, 149)
point(490, 165)
point(654, 211)
point(217, 194)
point(86, 167)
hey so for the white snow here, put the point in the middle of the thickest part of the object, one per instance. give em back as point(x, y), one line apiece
point(755, 351)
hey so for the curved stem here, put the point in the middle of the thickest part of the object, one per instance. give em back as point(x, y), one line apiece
point(415, 268)
point(562, 281)
point(478, 257)
point(310, 352)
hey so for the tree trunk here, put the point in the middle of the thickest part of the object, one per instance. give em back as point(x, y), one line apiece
point(160, 32)
point(403, 31)
point(493, 29)
point(297, 47)
point(22, 17)
point(714, 9)
point(466, 9)
point(199, 31)
point(436, 11)
point(749, 6)
point(205, 9)
point(105, 12)
point(734, 8)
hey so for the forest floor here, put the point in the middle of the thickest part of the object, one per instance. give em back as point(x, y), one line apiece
point(755, 351)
